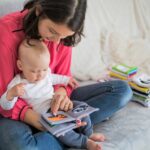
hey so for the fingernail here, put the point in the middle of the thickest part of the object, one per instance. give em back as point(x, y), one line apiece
point(78, 121)
point(54, 114)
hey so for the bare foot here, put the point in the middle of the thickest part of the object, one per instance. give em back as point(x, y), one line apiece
point(91, 145)
point(97, 137)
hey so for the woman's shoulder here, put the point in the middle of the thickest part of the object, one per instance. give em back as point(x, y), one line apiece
point(12, 21)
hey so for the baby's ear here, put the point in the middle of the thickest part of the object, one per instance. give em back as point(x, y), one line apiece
point(19, 64)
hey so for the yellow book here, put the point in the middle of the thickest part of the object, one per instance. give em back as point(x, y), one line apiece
point(139, 88)
point(113, 74)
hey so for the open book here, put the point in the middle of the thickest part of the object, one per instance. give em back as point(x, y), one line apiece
point(66, 121)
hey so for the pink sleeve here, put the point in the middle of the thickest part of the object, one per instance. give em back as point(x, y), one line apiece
point(7, 59)
point(8, 50)
point(19, 110)
point(63, 65)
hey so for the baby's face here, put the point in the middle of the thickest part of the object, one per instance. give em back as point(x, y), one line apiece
point(35, 70)
point(34, 74)
point(33, 60)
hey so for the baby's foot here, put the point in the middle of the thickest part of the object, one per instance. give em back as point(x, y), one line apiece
point(97, 137)
point(91, 145)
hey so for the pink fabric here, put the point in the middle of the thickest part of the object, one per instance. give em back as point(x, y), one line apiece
point(19, 110)
point(9, 41)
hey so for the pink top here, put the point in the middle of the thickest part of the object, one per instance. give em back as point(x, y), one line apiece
point(9, 41)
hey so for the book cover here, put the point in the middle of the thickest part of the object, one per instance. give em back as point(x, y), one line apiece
point(125, 69)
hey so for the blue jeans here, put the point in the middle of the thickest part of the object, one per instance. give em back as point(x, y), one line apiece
point(78, 137)
point(108, 96)
point(15, 135)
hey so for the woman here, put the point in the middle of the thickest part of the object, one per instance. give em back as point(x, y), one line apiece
point(60, 25)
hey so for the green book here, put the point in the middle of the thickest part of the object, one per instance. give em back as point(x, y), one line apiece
point(125, 69)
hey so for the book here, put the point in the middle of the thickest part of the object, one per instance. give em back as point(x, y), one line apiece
point(142, 80)
point(139, 88)
point(116, 75)
point(65, 121)
point(125, 69)
point(141, 100)
point(128, 76)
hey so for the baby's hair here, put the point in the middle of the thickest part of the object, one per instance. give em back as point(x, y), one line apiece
point(35, 46)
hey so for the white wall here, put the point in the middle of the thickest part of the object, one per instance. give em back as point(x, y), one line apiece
point(116, 31)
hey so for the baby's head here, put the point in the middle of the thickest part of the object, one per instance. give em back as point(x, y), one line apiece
point(33, 60)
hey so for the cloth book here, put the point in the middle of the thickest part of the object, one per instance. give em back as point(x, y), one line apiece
point(65, 121)
point(142, 80)
point(125, 69)
point(141, 100)
point(139, 88)
point(116, 75)
point(128, 76)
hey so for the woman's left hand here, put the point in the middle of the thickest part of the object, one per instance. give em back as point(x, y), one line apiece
point(61, 101)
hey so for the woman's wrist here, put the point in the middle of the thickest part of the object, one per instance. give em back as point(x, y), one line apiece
point(61, 90)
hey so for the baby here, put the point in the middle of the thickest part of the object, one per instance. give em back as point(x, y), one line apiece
point(35, 85)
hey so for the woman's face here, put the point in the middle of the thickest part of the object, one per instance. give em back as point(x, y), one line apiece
point(51, 31)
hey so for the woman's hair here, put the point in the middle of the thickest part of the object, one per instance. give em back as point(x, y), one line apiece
point(69, 12)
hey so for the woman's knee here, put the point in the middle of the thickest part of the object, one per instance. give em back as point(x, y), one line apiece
point(124, 92)
point(13, 135)
point(16, 135)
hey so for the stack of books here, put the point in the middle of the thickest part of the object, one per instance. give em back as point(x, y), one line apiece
point(140, 83)
point(141, 89)
point(123, 71)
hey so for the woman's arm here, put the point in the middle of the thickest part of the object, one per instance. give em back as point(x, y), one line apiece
point(62, 66)
point(9, 42)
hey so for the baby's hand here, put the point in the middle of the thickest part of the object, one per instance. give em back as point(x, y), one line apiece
point(80, 124)
point(73, 83)
point(17, 90)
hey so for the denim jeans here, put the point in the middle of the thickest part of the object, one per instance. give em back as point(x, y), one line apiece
point(109, 97)
point(15, 135)
point(78, 138)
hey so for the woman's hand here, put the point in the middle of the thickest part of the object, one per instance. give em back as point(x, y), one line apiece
point(61, 101)
point(73, 83)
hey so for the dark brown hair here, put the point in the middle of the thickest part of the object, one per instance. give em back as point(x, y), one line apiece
point(69, 12)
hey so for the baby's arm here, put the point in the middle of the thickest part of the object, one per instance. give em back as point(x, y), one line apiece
point(10, 97)
point(66, 80)
point(16, 91)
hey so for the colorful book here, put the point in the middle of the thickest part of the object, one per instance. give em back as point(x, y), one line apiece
point(66, 121)
point(141, 100)
point(116, 75)
point(138, 88)
point(125, 69)
point(124, 75)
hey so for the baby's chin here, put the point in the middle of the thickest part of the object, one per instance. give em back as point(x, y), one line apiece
point(34, 82)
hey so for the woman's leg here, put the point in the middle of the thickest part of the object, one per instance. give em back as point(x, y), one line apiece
point(15, 135)
point(109, 97)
